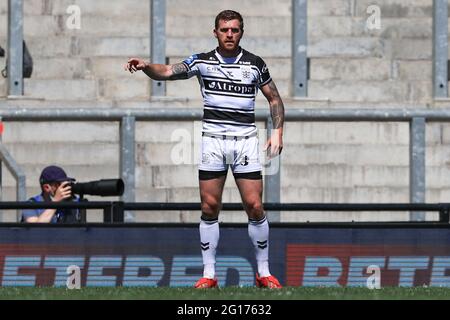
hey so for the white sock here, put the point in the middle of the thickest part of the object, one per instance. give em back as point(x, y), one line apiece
point(209, 270)
point(259, 234)
point(209, 238)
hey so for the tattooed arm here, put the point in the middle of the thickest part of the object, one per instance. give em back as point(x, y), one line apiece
point(272, 95)
point(179, 71)
point(158, 71)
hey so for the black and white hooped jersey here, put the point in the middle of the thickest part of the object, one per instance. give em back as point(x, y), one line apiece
point(229, 87)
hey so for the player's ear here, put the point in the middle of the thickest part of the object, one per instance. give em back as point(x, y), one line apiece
point(215, 33)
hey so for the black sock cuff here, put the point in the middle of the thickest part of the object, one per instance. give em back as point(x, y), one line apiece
point(208, 220)
point(257, 222)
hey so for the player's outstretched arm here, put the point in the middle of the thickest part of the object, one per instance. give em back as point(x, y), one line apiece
point(157, 71)
point(272, 95)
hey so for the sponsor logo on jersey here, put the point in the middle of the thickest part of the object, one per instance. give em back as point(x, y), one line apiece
point(230, 87)
point(212, 69)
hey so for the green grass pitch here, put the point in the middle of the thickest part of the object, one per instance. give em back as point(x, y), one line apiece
point(228, 293)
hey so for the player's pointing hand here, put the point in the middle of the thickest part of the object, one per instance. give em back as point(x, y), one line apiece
point(135, 64)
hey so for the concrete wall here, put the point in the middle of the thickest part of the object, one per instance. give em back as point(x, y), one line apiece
point(322, 162)
point(349, 63)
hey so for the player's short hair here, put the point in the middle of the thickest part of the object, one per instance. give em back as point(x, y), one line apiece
point(228, 15)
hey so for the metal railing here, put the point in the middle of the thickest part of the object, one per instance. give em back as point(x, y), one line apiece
point(113, 211)
point(440, 48)
point(417, 119)
point(16, 172)
point(15, 48)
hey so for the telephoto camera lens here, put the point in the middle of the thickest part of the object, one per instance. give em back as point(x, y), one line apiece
point(103, 188)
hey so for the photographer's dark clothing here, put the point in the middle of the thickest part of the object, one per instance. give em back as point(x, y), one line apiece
point(60, 216)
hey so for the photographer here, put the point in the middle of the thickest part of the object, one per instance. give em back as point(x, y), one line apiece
point(56, 187)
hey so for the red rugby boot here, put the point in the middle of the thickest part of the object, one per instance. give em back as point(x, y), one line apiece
point(267, 282)
point(206, 283)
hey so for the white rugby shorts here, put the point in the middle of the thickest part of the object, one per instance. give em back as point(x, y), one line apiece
point(218, 152)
